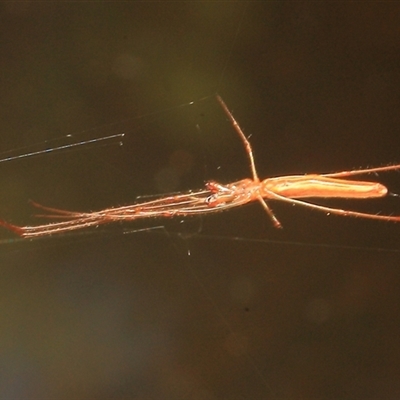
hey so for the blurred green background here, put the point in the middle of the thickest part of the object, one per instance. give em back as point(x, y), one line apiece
point(231, 308)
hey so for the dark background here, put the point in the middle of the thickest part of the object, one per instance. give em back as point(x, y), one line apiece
point(221, 307)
